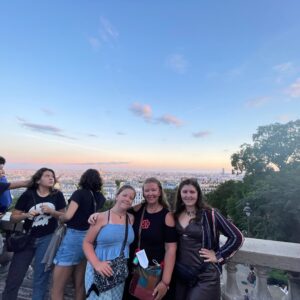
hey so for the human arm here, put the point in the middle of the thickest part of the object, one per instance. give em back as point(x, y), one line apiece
point(68, 215)
point(52, 212)
point(234, 236)
point(59, 207)
point(92, 220)
point(169, 259)
point(19, 215)
point(101, 267)
point(18, 184)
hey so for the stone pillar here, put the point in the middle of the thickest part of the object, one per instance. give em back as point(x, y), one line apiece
point(261, 291)
point(294, 286)
point(231, 290)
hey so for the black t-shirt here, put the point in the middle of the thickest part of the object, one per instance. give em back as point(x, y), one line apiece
point(3, 187)
point(43, 224)
point(155, 233)
point(88, 203)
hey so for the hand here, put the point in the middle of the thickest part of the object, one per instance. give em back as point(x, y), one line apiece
point(104, 268)
point(93, 219)
point(208, 255)
point(46, 209)
point(160, 291)
point(31, 214)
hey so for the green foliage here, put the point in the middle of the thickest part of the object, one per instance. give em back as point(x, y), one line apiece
point(272, 193)
point(171, 197)
point(274, 147)
point(107, 205)
point(277, 277)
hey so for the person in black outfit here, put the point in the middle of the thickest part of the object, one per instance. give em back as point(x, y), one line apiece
point(39, 206)
point(158, 235)
point(70, 257)
point(199, 255)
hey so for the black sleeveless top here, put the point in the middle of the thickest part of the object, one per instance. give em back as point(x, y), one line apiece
point(189, 244)
point(155, 233)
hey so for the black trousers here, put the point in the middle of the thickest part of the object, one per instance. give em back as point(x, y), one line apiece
point(207, 287)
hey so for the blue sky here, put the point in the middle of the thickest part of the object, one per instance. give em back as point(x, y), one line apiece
point(140, 84)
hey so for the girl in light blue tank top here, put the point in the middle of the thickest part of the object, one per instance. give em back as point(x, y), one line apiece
point(104, 241)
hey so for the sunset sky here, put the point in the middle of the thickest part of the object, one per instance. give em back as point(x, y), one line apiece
point(169, 85)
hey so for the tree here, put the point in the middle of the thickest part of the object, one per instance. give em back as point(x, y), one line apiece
point(274, 147)
point(275, 205)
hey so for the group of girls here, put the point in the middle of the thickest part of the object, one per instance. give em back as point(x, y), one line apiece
point(189, 238)
point(186, 239)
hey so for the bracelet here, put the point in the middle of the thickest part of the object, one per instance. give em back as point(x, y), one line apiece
point(166, 285)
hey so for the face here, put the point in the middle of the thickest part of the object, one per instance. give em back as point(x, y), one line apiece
point(125, 198)
point(47, 179)
point(151, 192)
point(189, 195)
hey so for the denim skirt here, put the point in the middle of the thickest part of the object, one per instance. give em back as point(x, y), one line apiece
point(70, 251)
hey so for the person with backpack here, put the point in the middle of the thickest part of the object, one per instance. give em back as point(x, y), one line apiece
point(199, 256)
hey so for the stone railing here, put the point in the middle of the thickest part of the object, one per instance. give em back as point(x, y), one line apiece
point(263, 255)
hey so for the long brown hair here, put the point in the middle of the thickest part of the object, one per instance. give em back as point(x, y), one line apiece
point(200, 204)
point(33, 183)
point(162, 198)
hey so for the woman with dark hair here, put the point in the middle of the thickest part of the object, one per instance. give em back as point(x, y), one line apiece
point(70, 257)
point(39, 206)
point(199, 255)
point(105, 241)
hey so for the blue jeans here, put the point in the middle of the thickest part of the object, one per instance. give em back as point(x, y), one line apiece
point(19, 266)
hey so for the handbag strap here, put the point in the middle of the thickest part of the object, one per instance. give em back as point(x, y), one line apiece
point(126, 236)
point(94, 201)
point(30, 227)
point(140, 227)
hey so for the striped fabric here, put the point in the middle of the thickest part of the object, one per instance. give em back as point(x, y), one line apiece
point(213, 221)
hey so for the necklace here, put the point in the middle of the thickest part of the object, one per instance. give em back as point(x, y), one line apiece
point(118, 214)
point(153, 210)
point(190, 213)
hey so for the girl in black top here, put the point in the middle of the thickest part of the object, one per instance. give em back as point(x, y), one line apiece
point(70, 257)
point(158, 234)
point(39, 206)
point(199, 255)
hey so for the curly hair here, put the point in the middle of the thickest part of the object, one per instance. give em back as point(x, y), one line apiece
point(91, 180)
point(33, 183)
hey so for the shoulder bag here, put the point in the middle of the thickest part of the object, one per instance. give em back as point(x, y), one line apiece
point(119, 267)
point(144, 281)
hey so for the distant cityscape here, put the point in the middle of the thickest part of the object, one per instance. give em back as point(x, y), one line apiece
point(68, 180)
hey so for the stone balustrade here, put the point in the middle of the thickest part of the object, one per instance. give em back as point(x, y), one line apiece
point(263, 255)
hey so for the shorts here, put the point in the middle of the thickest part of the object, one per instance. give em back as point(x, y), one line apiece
point(70, 251)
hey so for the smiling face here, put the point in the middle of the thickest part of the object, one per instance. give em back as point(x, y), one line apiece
point(189, 195)
point(151, 192)
point(125, 198)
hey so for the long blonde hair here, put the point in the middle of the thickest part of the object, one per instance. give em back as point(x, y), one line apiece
point(162, 198)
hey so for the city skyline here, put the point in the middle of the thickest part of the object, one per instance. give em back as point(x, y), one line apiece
point(133, 85)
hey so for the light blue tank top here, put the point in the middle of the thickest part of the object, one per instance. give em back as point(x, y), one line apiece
point(110, 239)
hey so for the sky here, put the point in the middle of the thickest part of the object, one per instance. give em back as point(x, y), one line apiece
point(153, 85)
